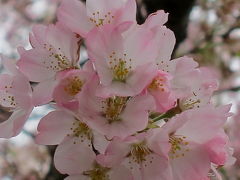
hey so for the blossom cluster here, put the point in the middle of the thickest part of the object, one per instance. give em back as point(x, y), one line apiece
point(130, 112)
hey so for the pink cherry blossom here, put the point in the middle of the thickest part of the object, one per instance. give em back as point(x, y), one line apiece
point(81, 19)
point(200, 90)
point(16, 95)
point(70, 84)
point(55, 126)
point(55, 49)
point(116, 115)
point(189, 135)
point(78, 159)
point(73, 156)
point(141, 155)
point(59, 124)
point(191, 85)
point(123, 71)
point(180, 69)
point(161, 91)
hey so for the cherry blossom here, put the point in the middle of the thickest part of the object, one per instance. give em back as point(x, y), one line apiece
point(79, 161)
point(189, 135)
point(141, 154)
point(97, 13)
point(69, 84)
point(161, 91)
point(16, 95)
point(55, 49)
point(115, 115)
point(122, 70)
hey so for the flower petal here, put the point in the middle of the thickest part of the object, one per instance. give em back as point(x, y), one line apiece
point(54, 127)
point(158, 18)
point(13, 126)
point(43, 92)
point(73, 158)
point(73, 14)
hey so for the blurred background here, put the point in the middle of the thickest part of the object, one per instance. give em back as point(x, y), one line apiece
point(207, 30)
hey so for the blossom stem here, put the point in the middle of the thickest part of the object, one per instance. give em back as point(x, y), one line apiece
point(162, 116)
point(169, 114)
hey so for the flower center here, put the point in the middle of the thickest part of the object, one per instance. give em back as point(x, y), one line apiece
point(120, 67)
point(74, 85)
point(113, 107)
point(100, 20)
point(8, 100)
point(98, 173)
point(139, 151)
point(178, 146)
point(57, 61)
point(157, 84)
point(190, 103)
point(81, 130)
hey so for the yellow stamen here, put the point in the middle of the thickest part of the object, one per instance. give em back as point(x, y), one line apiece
point(113, 107)
point(74, 86)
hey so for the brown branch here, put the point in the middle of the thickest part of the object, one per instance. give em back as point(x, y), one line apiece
point(232, 89)
point(227, 34)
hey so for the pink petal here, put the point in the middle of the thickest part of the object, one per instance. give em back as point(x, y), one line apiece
point(158, 18)
point(216, 148)
point(135, 116)
point(120, 173)
point(102, 6)
point(38, 37)
point(57, 51)
point(100, 142)
point(184, 64)
point(141, 77)
point(206, 119)
point(156, 166)
point(73, 14)
point(141, 40)
point(30, 65)
point(127, 12)
point(16, 87)
point(75, 80)
point(71, 158)
point(166, 43)
point(101, 43)
point(64, 42)
point(115, 153)
point(21, 84)
point(120, 11)
point(88, 67)
point(159, 142)
point(54, 127)
point(9, 65)
point(195, 163)
point(134, 85)
point(160, 89)
point(5, 80)
point(43, 92)
point(13, 126)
